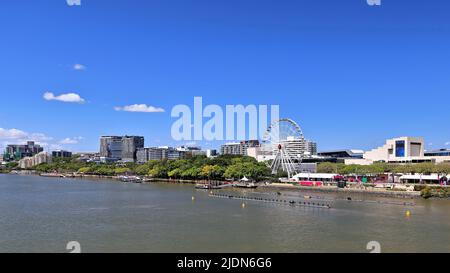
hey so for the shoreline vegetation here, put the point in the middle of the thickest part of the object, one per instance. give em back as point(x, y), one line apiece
point(228, 169)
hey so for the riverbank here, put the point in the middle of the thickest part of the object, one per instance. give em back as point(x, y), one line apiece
point(348, 191)
point(275, 187)
point(110, 177)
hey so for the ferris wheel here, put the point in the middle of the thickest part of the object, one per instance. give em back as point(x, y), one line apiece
point(277, 139)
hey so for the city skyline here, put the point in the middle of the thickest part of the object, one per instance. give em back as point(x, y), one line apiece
point(120, 73)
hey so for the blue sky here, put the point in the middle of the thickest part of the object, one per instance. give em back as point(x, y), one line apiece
point(350, 74)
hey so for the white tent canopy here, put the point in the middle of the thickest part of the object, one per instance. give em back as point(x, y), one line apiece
point(315, 176)
point(420, 177)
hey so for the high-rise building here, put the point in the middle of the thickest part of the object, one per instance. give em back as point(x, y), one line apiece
point(17, 152)
point(111, 147)
point(238, 148)
point(130, 144)
point(121, 147)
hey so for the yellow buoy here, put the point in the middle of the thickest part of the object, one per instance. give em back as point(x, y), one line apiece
point(408, 213)
point(243, 205)
point(193, 198)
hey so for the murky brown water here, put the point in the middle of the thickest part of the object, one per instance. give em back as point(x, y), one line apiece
point(42, 214)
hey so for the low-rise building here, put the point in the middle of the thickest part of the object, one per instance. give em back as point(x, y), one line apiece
point(146, 154)
point(403, 149)
point(343, 154)
point(211, 153)
point(159, 153)
point(261, 154)
point(61, 154)
point(299, 148)
point(191, 151)
point(399, 151)
point(88, 157)
point(106, 160)
point(238, 148)
point(305, 167)
point(436, 153)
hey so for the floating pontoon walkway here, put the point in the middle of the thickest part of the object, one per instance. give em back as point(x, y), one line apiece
point(315, 204)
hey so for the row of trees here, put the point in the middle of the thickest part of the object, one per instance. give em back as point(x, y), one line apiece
point(200, 167)
point(380, 168)
point(227, 167)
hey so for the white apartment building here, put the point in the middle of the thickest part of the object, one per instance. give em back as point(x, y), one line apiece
point(238, 148)
point(298, 148)
point(29, 162)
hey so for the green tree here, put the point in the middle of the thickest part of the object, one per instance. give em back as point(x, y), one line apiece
point(327, 167)
point(212, 172)
point(424, 168)
point(192, 173)
point(158, 171)
point(142, 169)
point(85, 170)
point(122, 170)
point(234, 171)
point(404, 169)
point(105, 170)
point(175, 173)
point(442, 168)
point(43, 168)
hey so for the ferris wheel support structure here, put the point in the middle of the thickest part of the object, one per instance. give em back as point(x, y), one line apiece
point(277, 139)
point(283, 160)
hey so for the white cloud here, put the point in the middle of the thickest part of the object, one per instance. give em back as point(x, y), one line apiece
point(39, 137)
point(73, 2)
point(73, 140)
point(12, 134)
point(16, 136)
point(8, 136)
point(79, 67)
point(69, 97)
point(142, 108)
point(447, 143)
point(53, 147)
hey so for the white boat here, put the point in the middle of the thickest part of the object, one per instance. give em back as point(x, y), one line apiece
point(134, 179)
point(250, 185)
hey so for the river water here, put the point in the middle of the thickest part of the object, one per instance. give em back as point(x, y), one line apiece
point(40, 214)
